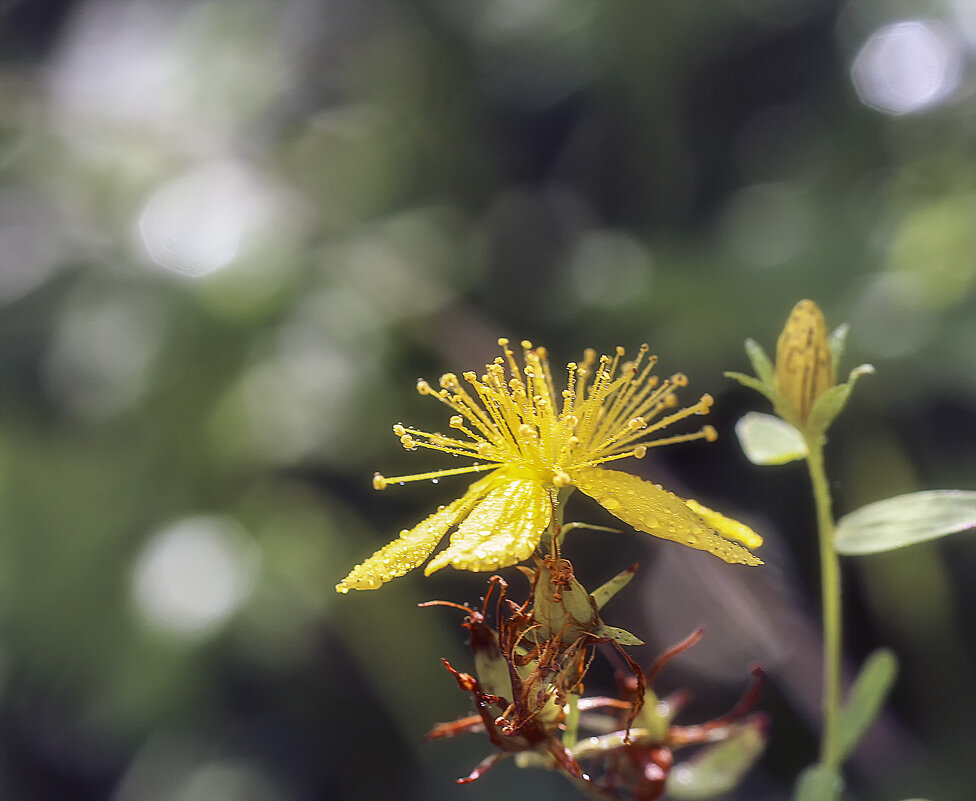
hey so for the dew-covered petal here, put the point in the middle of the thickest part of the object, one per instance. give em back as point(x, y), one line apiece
point(502, 529)
point(413, 545)
point(726, 526)
point(649, 508)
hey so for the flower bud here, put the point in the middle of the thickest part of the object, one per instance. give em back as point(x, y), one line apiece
point(804, 364)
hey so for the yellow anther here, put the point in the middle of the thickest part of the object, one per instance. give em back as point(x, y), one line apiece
point(399, 430)
point(408, 442)
point(457, 421)
point(710, 433)
point(423, 387)
point(636, 424)
point(679, 380)
point(379, 483)
point(503, 342)
point(640, 452)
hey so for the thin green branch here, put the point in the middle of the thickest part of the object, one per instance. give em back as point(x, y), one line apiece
point(830, 752)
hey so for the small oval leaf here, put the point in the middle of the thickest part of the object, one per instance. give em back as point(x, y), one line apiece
point(866, 698)
point(905, 520)
point(818, 783)
point(719, 767)
point(766, 439)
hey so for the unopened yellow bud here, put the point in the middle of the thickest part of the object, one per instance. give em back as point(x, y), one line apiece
point(804, 365)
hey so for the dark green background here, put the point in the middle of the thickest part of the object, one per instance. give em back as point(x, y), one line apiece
point(423, 177)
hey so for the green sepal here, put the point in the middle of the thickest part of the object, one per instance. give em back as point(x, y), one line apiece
point(719, 767)
point(608, 589)
point(866, 698)
point(838, 342)
point(818, 783)
point(761, 363)
point(831, 403)
point(767, 389)
point(905, 520)
point(754, 383)
point(617, 634)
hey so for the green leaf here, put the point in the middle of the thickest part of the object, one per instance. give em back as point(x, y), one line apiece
point(719, 767)
point(818, 783)
point(760, 362)
point(766, 439)
point(831, 403)
point(866, 698)
point(905, 520)
point(837, 342)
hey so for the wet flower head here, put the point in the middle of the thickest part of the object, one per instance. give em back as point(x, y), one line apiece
point(533, 442)
point(607, 412)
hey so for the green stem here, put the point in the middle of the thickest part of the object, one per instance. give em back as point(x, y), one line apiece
point(571, 732)
point(830, 756)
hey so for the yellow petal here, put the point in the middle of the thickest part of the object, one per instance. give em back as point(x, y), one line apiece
point(726, 526)
point(503, 529)
point(647, 507)
point(413, 546)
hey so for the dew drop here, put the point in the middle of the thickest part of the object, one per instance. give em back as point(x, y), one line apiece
point(435, 481)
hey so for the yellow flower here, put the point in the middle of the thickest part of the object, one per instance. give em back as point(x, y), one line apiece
point(535, 443)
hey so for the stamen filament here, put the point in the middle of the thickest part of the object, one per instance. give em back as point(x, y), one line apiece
point(382, 482)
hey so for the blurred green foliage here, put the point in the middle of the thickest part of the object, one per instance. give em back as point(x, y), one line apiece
point(232, 235)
